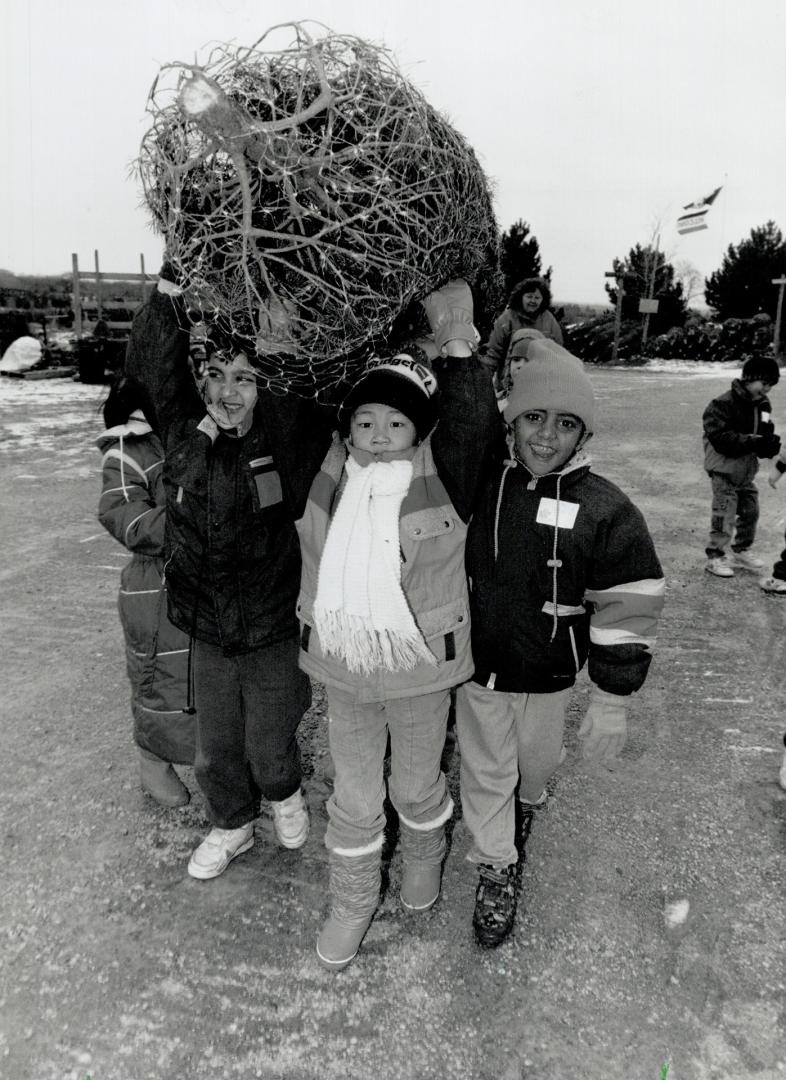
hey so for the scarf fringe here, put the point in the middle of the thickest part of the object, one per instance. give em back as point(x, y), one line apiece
point(365, 649)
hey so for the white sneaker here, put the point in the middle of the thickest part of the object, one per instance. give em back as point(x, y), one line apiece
point(218, 849)
point(290, 820)
point(746, 561)
point(720, 566)
point(773, 585)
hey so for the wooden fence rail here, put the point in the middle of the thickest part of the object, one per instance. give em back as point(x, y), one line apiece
point(100, 277)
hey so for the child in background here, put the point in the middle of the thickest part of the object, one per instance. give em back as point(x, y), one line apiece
point(384, 609)
point(517, 355)
point(776, 582)
point(562, 568)
point(737, 432)
point(131, 508)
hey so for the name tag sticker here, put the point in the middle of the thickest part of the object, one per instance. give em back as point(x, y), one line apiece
point(266, 481)
point(547, 513)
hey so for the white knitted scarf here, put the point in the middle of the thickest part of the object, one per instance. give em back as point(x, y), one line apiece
point(360, 611)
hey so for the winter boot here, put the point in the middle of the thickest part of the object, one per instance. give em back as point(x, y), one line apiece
point(495, 904)
point(423, 852)
point(355, 881)
point(161, 782)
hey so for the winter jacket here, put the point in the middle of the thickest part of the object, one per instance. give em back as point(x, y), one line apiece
point(233, 561)
point(543, 599)
point(511, 320)
point(447, 468)
point(733, 424)
point(131, 508)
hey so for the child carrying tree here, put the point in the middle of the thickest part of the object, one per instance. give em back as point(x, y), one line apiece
point(384, 609)
point(562, 569)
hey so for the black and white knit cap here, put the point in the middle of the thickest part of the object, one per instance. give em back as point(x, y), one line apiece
point(552, 378)
point(401, 383)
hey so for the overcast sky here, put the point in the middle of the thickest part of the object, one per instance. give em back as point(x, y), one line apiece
point(596, 120)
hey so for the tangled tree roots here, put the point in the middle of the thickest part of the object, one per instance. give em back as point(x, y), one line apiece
point(308, 196)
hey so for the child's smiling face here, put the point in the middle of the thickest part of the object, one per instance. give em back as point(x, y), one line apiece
point(380, 428)
point(546, 439)
point(231, 388)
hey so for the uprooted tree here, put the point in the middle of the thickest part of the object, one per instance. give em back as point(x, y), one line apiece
point(309, 196)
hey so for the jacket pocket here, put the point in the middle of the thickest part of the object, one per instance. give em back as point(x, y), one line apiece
point(569, 646)
point(446, 630)
point(266, 483)
point(428, 524)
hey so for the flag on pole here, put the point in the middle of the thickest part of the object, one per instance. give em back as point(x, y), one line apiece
point(695, 219)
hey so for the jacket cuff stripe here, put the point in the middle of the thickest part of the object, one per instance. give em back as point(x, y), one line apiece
point(617, 636)
point(644, 587)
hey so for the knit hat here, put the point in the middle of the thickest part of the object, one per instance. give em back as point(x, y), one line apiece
point(521, 341)
point(761, 367)
point(552, 378)
point(401, 383)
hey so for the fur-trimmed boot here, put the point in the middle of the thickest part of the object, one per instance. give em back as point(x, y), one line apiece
point(355, 882)
point(423, 851)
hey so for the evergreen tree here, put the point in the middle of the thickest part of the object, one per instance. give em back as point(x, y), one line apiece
point(520, 256)
point(637, 271)
point(742, 287)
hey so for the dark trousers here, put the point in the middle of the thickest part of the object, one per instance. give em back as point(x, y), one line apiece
point(248, 710)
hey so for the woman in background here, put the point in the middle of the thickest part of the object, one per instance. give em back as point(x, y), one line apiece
point(528, 308)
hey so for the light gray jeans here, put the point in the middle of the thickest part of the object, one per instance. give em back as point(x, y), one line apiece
point(504, 737)
point(358, 734)
point(735, 514)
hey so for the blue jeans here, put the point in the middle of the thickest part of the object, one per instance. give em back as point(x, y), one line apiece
point(358, 740)
point(735, 513)
point(248, 711)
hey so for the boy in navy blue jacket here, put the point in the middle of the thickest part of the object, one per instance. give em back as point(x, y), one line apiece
point(562, 568)
point(737, 432)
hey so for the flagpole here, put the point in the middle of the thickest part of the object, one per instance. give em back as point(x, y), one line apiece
point(781, 282)
point(651, 289)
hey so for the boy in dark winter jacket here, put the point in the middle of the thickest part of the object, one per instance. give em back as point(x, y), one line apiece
point(239, 464)
point(737, 432)
point(561, 568)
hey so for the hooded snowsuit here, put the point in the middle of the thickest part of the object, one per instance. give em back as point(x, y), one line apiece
point(131, 508)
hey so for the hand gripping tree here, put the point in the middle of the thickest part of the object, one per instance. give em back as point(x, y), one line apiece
point(309, 196)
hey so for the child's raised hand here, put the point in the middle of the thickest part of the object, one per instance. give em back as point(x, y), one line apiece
point(449, 311)
point(605, 726)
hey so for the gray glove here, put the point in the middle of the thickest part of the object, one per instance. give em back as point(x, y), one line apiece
point(605, 725)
